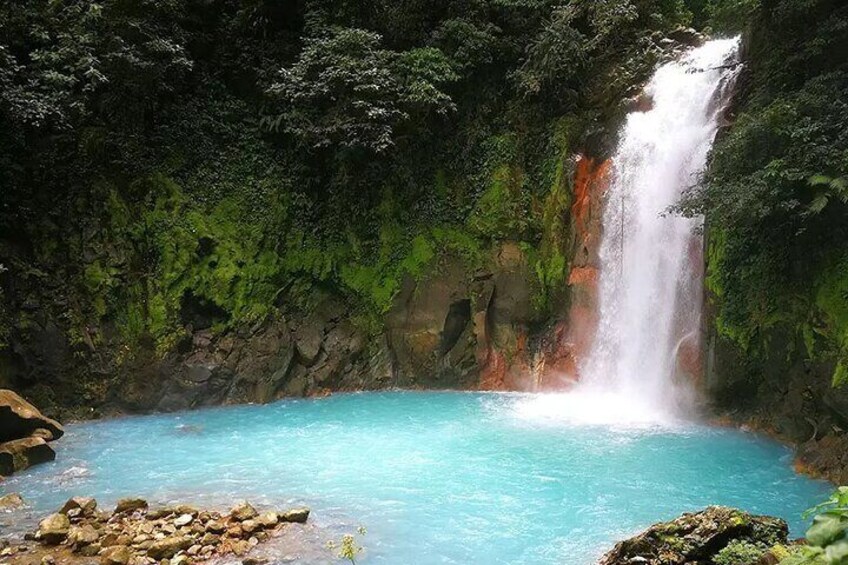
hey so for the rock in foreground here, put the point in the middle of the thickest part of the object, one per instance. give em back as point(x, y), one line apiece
point(24, 433)
point(696, 539)
point(20, 454)
point(19, 419)
point(133, 534)
point(11, 501)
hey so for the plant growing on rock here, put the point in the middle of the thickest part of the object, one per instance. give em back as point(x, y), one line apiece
point(740, 552)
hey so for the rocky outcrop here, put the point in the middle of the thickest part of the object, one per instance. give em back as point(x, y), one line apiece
point(179, 535)
point(701, 537)
point(21, 454)
point(24, 434)
point(461, 325)
point(781, 393)
point(19, 419)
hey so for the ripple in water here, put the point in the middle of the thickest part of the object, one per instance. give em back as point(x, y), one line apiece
point(457, 478)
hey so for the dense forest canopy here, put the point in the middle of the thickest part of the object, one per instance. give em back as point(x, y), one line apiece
point(238, 153)
point(164, 157)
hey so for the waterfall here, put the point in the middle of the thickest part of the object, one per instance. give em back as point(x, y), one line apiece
point(650, 285)
point(650, 261)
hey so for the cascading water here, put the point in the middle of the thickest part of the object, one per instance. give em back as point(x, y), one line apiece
point(650, 262)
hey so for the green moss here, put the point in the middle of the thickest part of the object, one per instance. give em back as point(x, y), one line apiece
point(832, 299)
point(461, 242)
point(217, 254)
point(550, 263)
point(502, 210)
point(674, 542)
point(739, 552)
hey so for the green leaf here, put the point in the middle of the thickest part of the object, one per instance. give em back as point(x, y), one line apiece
point(826, 528)
point(819, 180)
point(819, 203)
point(837, 553)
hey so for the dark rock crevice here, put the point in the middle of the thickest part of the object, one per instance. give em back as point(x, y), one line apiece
point(456, 321)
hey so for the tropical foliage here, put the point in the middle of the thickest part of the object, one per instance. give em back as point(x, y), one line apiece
point(827, 538)
point(169, 164)
point(775, 194)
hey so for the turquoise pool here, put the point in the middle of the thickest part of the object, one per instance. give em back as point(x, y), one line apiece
point(457, 478)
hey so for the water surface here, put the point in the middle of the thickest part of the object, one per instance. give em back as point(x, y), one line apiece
point(461, 478)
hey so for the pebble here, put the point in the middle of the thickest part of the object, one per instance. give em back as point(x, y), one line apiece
point(135, 535)
point(183, 520)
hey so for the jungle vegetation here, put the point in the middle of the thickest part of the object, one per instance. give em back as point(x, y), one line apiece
point(160, 158)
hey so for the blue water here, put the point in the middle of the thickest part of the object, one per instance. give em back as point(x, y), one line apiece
point(434, 477)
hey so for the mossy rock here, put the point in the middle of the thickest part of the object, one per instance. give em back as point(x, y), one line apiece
point(698, 538)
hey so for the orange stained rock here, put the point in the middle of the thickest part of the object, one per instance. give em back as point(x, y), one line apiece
point(493, 373)
point(589, 177)
point(583, 276)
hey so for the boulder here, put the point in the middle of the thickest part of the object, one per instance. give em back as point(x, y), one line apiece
point(20, 419)
point(697, 538)
point(216, 527)
point(82, 535)
point(90, 550)
point(243, 511)
point(20, 454)
point(11, 501)
point(268, 519)
point(210, 539)
point(168, 547)
point(298, 515)
point(186, 509)
point(687, 36)
point(85, 504)
point(130, 505)
point(54, 529)
point(194, 550)
point(115, 555)
point(240, 547)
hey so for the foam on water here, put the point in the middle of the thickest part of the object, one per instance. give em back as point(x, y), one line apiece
point(592, 406)
point(460, 478)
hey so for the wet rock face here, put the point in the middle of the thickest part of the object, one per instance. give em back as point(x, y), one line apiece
point(460, 326)
point(430, 331)
point(786, 396)
point(697, 538)
point(24, 434)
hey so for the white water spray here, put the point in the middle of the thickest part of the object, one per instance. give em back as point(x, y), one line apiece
point(650, 262)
